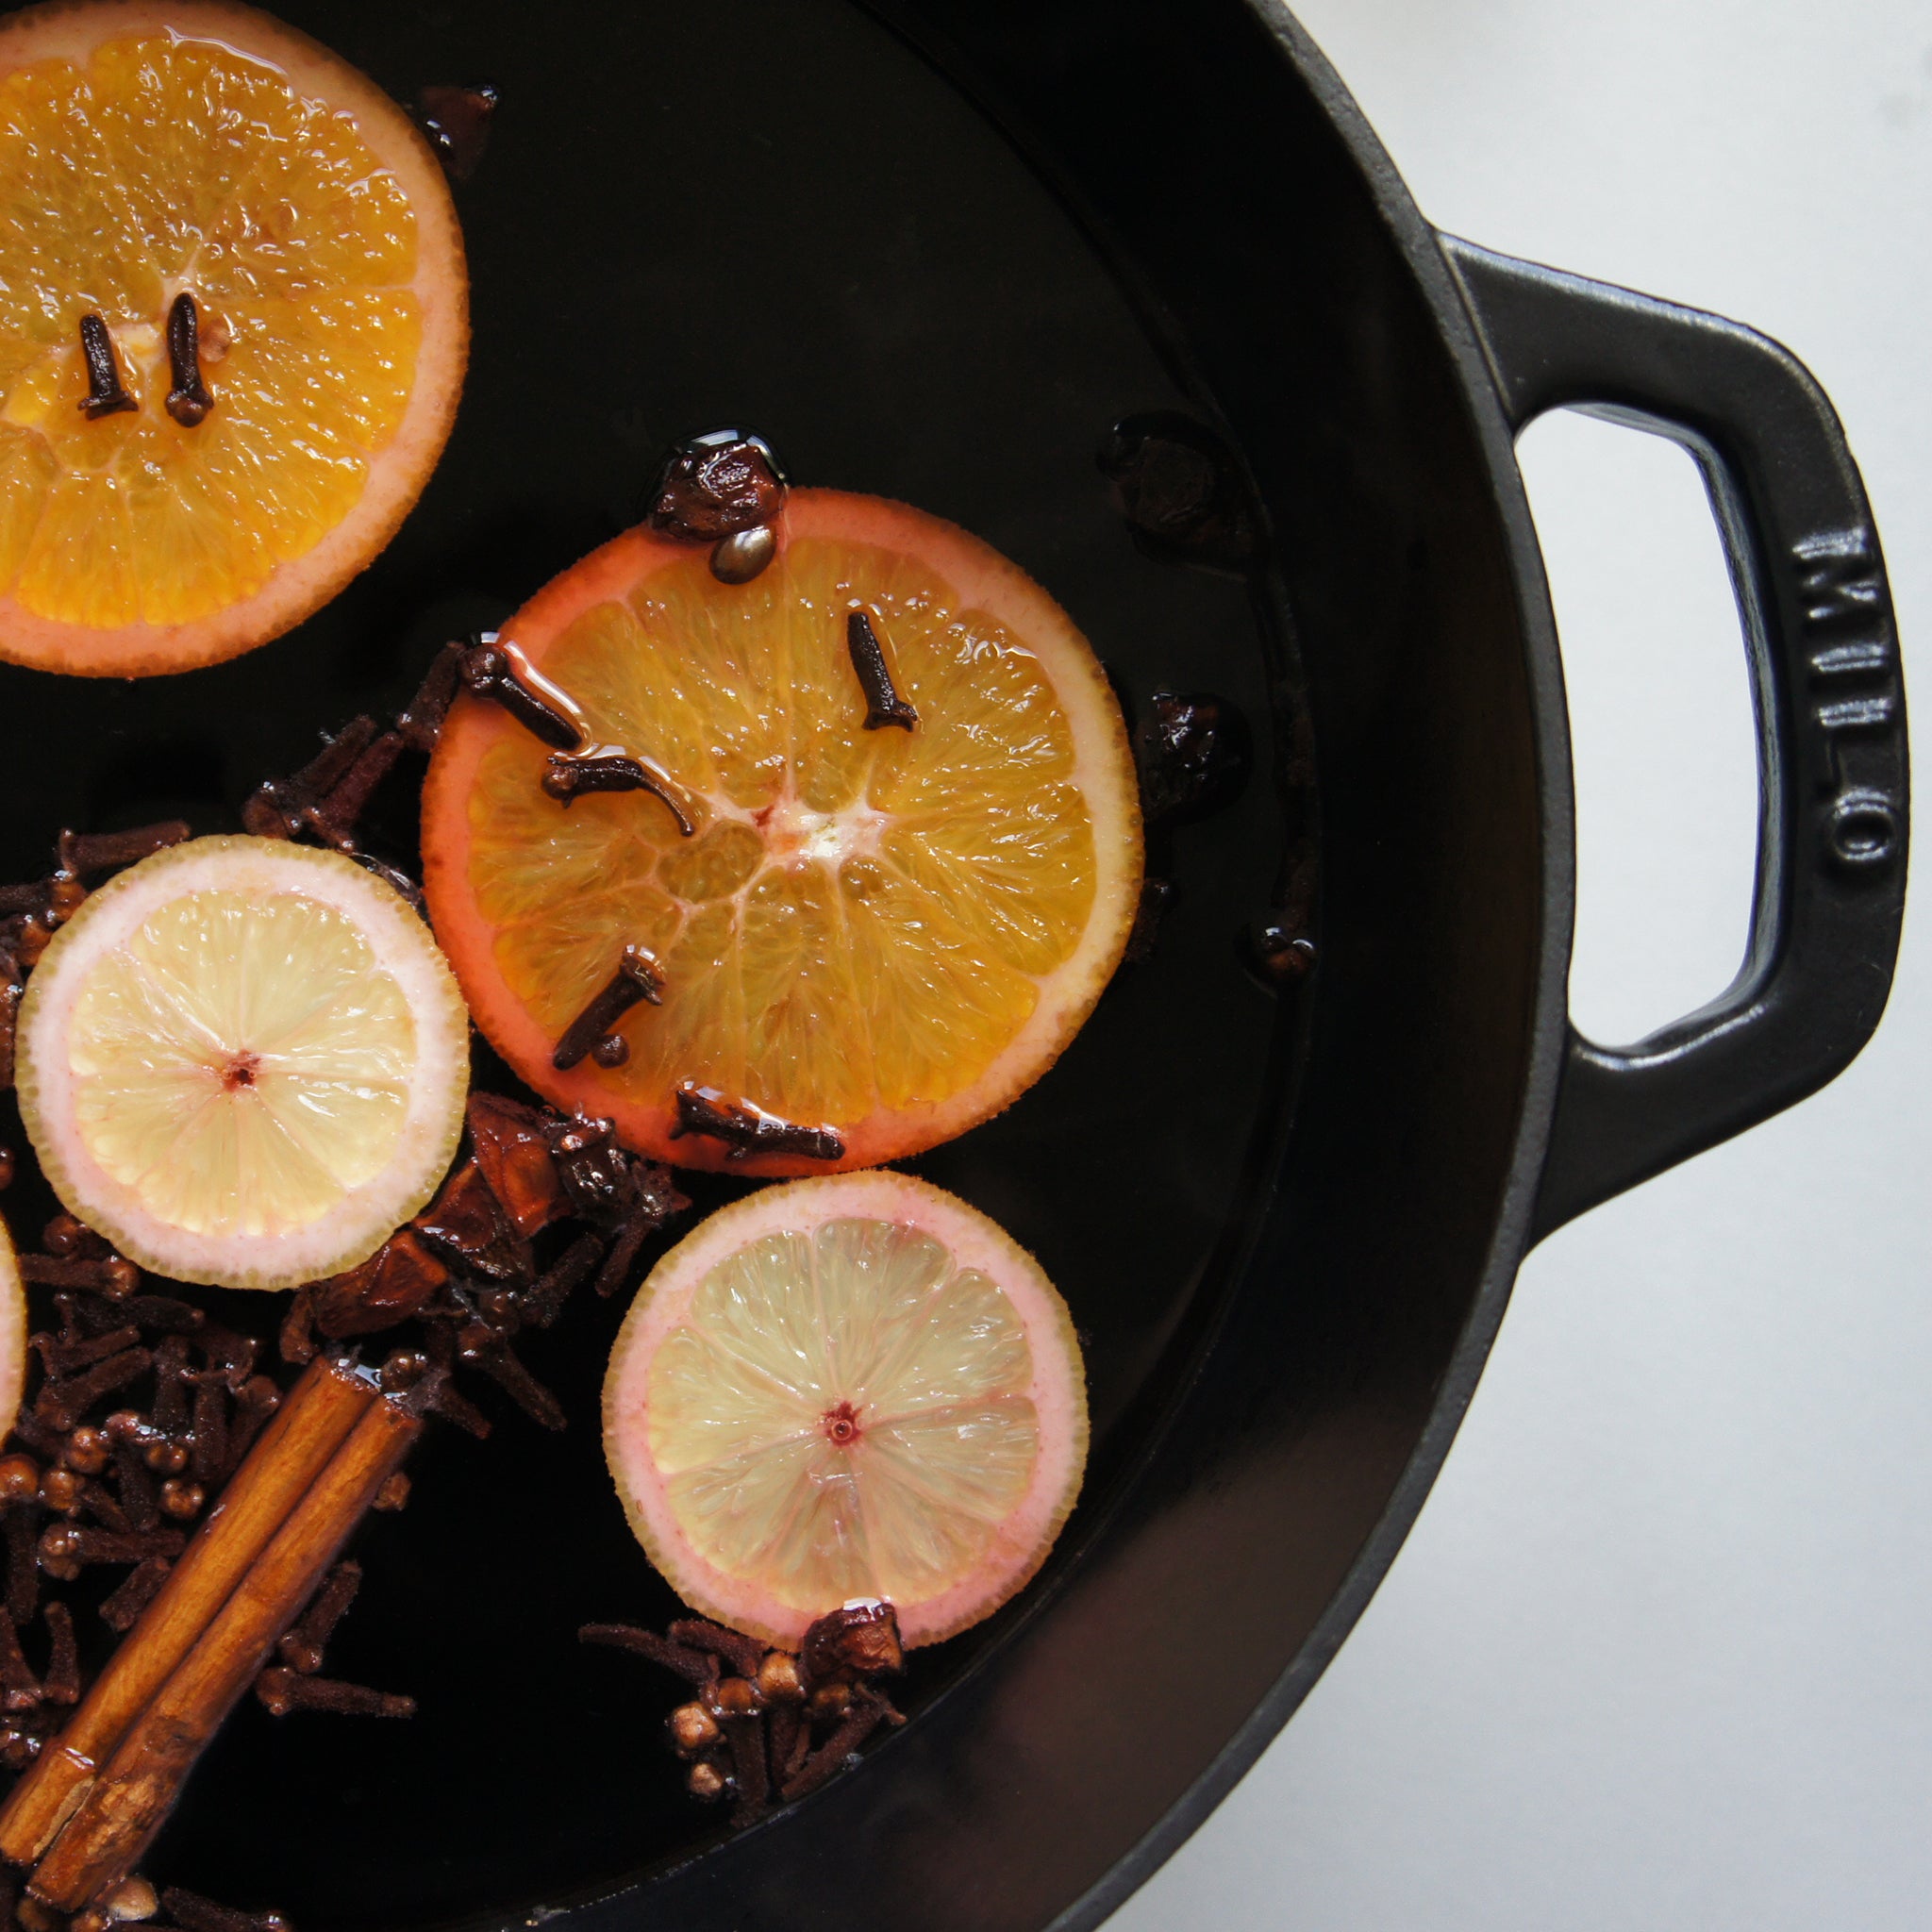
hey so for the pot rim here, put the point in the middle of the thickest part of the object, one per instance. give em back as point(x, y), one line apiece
point(1421, 244)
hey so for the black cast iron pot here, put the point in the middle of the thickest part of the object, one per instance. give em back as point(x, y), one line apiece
point(936, 249)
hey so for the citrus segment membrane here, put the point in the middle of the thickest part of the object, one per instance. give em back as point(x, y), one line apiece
point(148, 153)
point(245, 1063)
point(847, 1388)
point(890, 932)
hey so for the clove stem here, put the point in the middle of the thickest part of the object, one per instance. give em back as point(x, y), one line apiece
point(105, 395)
point(747, 1128)
point(569, 778)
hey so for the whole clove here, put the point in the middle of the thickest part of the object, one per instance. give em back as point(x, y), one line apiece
point(255, 1400)
point(140, 1498)
point(20, 1690)
point(66, 1549)
point(106, 395)
point(747, 1128)
point(276, 807)
point(208, 1450)
point(120, 1609)
point(282, 1691)
point(639, 977)
point(483, 1350)
point(61, 1357)
point(22, 1555)
point(566, 1274)
point(194, 1913)
point(61, 1682)
point(60, 1405)
point(164, 1313)
point(745, 1654)
point(335, 816)
point(569, 777)
point(189, 401)
point(303, 1647)
point(87, 855)
point(421, 722)
point(172, 1409)
point(612, 1188)
point(114, 1276)
point(693, 1729)
point(883, 704)
point(182, 1501)
point(737, 1710)
point(296, 1337)
point(1281, 944)
point(486, 671)
point(868, 1712)
point(623, 1257)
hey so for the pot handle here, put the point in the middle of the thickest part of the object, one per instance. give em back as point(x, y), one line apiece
point(1833, 783)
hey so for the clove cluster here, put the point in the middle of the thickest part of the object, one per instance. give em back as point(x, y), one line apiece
point(142, 1408)
point(768, 1725)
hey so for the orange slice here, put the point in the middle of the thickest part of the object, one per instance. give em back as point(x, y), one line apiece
point(245, 1063)
point(887, 933)
point(153, 152)
point(847, 1388)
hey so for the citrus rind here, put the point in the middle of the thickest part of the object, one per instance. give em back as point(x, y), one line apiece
point(393, 960)
point(13, 1326)
point(1053, 1388)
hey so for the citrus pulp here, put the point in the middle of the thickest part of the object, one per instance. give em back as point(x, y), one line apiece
point(849, 1387)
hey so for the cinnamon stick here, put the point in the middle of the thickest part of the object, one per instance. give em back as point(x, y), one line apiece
point(132, 1797)
point(311, 1426)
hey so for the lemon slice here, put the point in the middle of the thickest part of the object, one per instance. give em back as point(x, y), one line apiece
point(243, 1062)
point(847, 1388)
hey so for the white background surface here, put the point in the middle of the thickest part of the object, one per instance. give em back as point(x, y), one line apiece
point(1659, 1654)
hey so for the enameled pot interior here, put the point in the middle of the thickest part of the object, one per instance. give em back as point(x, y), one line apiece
point(778, 213)
point(785, 213)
